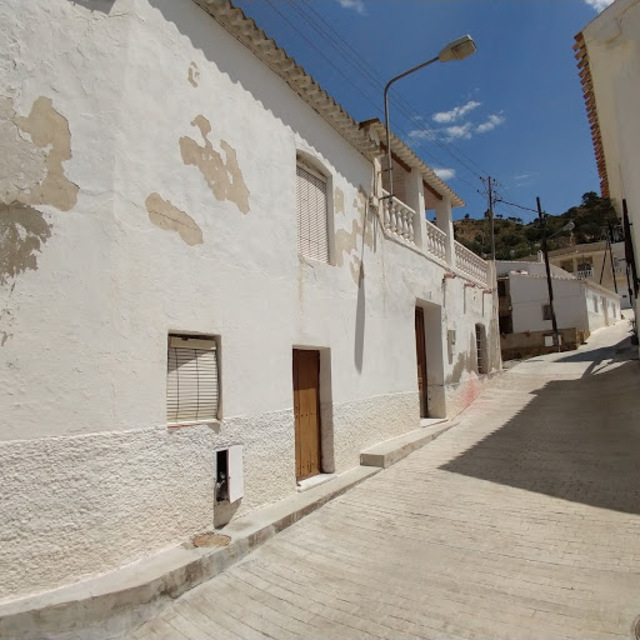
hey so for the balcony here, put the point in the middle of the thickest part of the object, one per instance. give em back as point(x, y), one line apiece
point(399, 219)
point(402, 223)
point(436, 242)
point(470, 264)
point(584, 274)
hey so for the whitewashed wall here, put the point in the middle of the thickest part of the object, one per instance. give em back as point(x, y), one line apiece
point(148, 188)
point(603, 306)
point(613, 45)
point(573, 301)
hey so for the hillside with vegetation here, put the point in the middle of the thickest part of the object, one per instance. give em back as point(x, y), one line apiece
point(516, 239)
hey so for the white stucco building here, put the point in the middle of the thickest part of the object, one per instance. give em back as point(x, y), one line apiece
point(579, 304)
point(608, 54)
point(202, 292)
point(596, 261)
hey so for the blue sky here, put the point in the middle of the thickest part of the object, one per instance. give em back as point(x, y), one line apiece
point(513, 111)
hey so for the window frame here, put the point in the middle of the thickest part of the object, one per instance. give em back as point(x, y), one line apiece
point(202, 343)
point(310, 166)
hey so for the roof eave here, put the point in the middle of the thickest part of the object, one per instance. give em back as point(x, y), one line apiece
point(582, 56)
point(245, 30)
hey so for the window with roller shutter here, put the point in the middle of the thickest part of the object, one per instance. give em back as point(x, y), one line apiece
point(192, 379)
point(311, 207)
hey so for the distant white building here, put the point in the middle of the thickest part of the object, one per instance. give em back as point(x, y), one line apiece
point(205, 298)
point(595, 261)
point(608, 54)
point(581, 307)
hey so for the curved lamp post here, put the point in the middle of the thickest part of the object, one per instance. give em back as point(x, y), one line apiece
point(458, 49)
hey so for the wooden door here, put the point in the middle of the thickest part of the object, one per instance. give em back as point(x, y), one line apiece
point(306, 405)
point(421, 356)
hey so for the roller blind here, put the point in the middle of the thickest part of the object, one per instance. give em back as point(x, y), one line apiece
point(192, 380)
point(311, 204)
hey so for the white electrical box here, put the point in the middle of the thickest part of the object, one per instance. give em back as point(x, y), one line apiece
point(236, 473)
point(229, 474)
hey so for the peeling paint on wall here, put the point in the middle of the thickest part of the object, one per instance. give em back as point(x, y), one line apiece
point(49, 131)
point(466, 361)
point(6, 320)
point(338, 200)
point(31, 173)
point(223, 177)
point(167, 216)
point(23, 231)
point(346, 242)
point(193, 74)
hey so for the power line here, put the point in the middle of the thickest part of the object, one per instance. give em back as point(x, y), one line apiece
point(359, 61)
point(519, 206)
point(329, 34)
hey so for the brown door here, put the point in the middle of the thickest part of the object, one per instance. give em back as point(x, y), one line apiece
point(306, 406)
point(421, 354)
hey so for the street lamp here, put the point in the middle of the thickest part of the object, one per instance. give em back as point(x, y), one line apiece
point(570, 226)
point(458, 49)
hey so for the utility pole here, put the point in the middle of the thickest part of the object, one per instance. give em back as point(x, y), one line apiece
point(554, 324)
point(493, 234)
point(490, 187)
point(613, 268)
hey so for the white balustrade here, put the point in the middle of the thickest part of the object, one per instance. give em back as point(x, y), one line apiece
point(584, 274)
point(436, 241)
point(471, 264)
point(399, 219)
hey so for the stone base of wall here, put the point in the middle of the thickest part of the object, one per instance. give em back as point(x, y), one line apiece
point(76, 506)
point(460, 395)
point(516, 346)
point(359, 425)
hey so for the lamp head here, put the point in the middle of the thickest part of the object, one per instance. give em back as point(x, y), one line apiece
point(458, 49)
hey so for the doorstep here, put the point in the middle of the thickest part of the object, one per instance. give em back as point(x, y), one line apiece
point(389, 452)
point(315, 481)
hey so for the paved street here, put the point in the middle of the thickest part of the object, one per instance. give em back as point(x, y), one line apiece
point(522, 521)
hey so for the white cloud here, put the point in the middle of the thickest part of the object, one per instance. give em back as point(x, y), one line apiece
point(599, 5)
point(491, 123)
point(445, 174)
point(458, 131)
point(444, 117)
point(356, 5)
point(525, 179)
point(454, 132)
point(416, 135)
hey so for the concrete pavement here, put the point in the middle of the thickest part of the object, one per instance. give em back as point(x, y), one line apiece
point(522, 521)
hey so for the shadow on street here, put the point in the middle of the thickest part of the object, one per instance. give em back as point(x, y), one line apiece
point(577, 439)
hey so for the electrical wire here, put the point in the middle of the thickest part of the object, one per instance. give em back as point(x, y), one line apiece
point(400, 101)
point(329, 34)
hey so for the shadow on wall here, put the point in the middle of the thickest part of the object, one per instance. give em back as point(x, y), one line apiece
point(104, 6)
point(360, 321)
point(568, 443)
